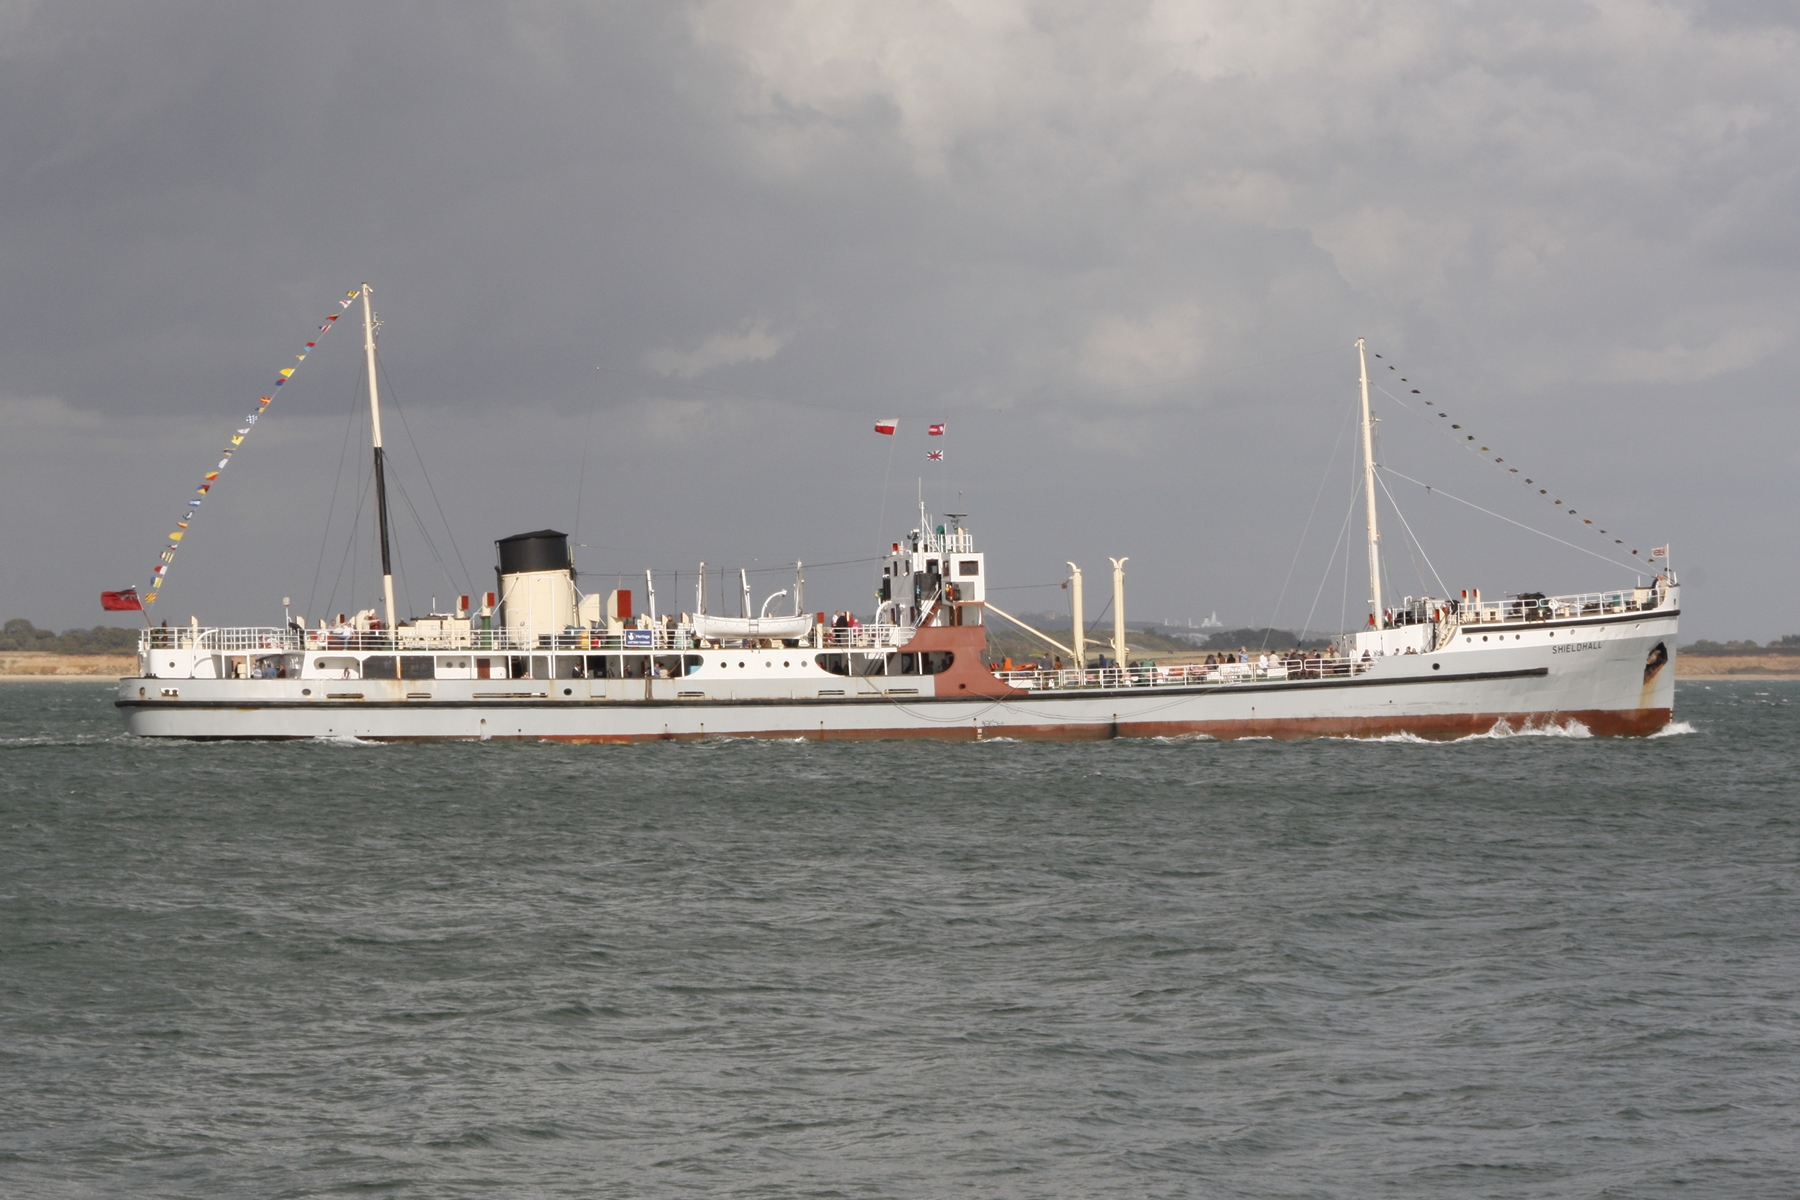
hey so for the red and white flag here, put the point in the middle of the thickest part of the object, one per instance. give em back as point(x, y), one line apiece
point(936, 456)
point(935, 430)
point(1660, 552)
point(887, 425)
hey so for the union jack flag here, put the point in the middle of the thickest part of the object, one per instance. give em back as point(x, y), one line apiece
point(936, 456)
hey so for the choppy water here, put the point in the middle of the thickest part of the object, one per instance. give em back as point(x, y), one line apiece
point(1533, 966)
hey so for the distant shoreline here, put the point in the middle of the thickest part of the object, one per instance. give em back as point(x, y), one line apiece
point(21, 666)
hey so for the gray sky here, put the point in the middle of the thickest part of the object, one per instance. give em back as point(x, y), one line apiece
point(1122, 248)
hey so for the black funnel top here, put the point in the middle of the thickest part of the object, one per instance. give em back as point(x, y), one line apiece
point(545, 550)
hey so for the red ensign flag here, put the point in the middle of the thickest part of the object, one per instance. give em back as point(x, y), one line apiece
point(887, 424)
point(125, 601)
point(936, 431)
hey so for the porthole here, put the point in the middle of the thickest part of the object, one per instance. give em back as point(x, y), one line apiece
point(787, 664)
point(306, 691)
point(318, 666)
point(568, 691)
point(1437, 666)
point(1484, 637)
point(740, 664)
point(770, 663)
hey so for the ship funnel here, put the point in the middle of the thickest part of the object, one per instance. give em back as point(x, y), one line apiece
point(537, 582)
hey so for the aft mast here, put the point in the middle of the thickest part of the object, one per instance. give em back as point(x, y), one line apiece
point(381, 505)
point(1368, 441)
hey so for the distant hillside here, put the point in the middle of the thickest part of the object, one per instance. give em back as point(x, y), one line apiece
point(21, 635)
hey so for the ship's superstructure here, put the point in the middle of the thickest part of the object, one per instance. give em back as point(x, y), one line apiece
point(539, 659)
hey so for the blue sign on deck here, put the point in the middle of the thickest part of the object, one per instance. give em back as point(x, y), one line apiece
point(640, 639)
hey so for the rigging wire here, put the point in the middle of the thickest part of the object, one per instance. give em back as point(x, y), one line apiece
point(1468, 444)
point(1331, 564)
point(1490, 512)
point(400, 561)
point(425, 535)
point(349, 545)
point(331, 508)
point(450, 534)
point(1414, 540)
point(1324, 477)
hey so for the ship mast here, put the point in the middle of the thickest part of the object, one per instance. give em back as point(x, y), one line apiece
point(381, 505)
point(1368, 440)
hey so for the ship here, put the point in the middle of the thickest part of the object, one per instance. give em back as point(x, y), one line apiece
point(541, 660)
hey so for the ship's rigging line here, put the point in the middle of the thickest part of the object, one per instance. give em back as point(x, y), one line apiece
point(331, 509)
point(1466, 444)
point(350, 545)
point(1331, 565)
point(1414, 537)
point(351, 426)
point(1324, 477)
point(450, 534)
point(1490, 512)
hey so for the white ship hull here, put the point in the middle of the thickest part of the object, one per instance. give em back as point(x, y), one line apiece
point(1609, 675)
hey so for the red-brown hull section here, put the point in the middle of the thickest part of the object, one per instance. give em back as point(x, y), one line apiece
point(1447, 727)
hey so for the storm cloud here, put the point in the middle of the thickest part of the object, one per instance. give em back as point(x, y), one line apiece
point(673, 259)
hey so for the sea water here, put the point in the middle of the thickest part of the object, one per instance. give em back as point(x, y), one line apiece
point(1515, 967)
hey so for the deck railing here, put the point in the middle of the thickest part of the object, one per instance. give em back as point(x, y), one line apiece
point(249, 639)
point(1562, 608)
point(228, 640)
point(1188, 674)
point(864, 637)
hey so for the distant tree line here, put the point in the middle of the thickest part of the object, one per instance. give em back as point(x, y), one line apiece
point(1790, 644)
point(1285, 639)
point(20, 634)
